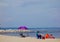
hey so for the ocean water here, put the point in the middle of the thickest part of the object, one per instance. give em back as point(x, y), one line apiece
point(54, 31)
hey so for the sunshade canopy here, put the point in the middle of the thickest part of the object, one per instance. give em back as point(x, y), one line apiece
point(22, 28)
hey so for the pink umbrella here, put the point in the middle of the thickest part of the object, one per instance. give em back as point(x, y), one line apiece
point(22, 28)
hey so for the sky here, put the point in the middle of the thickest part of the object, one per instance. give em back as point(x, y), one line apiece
point(30, 13)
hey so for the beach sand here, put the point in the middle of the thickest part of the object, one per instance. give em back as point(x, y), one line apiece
point(4, 38)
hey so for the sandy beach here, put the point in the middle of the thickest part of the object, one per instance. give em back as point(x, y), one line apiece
point(4, 38)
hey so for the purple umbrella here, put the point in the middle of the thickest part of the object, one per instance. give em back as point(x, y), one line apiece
point(22, 28)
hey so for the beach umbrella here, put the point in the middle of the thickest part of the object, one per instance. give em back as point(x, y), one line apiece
point(22, 28)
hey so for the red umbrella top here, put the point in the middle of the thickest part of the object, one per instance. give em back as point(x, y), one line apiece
point(22, 28)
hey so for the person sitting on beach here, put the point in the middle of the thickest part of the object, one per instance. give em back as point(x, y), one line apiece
point(39, 36)
point(43, 37)
point(47, 36)
point(51, 36)
point(22, 35)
